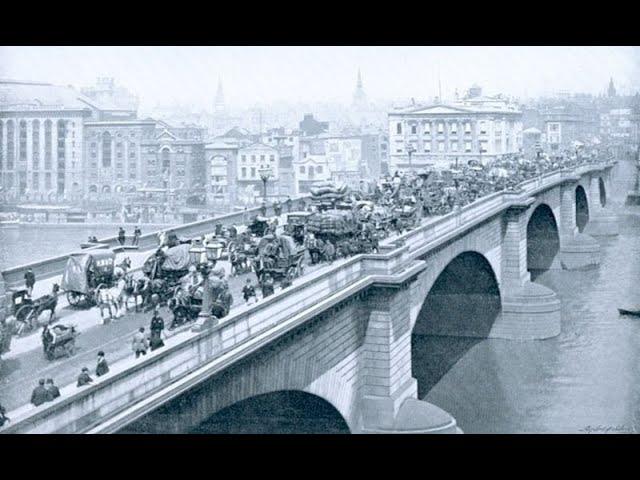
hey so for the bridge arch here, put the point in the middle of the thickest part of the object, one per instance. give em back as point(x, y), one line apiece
point(462, 304)
point(282, 411)
point(603, 192)
point(543, 240)
point(582, 208)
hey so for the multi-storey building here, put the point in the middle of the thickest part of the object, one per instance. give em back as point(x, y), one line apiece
point(222, 173)
point(253, 162)
point(476, 128)
point(41, 141)
point(106, 93)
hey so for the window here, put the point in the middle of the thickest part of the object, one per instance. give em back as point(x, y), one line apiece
point(454, 146)
point(244, 159)
point(399, 128)
point(36, 181)
point(47, 145)
point(47, 181)
point(427, 129)
point(454, 128)
point(302, 169)
point(106, 150)
point(319, 169)
point(467, 127)
point(10, 145)
point(483, 128)
point(93, 144)
point(483, 147)
point(253, 172)
point(35, 144)
point(243, 172)
point(166, 160)
point(427, 147)
point(467, 147)
point(441, 146)
point(272, 158)
point(253, 159)
point(414, 129)
point(22, 153)
point(261, 158)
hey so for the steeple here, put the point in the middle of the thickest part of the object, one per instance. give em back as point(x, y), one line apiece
point(219, 103)
point(359, 97)
point(611, 91)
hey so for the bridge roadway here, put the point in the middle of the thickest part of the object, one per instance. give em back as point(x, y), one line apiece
point(343, 333)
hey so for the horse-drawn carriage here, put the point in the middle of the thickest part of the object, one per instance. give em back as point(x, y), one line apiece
point(296, 225)
point(27, 310)
point(164, 271)
point(85, 274)
point(280, 257)
point(186, 304)
point(259, 226)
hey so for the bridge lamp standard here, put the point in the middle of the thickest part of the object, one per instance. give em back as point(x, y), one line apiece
point(265, 173)
point(410, 151)
point(202, 256)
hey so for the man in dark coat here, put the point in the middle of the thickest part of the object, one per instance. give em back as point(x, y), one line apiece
point(102, 366)
point(121, 236)
point(39, 395)
point(157, 326)
point(263, 209)
point(277, 208)
point(136, 236)
point(29, 280)
point(84, 378)
point(289, 202)
point(52, 391)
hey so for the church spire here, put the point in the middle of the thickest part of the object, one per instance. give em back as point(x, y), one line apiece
point(359, 84)
point(611, 91)
point(359, 97)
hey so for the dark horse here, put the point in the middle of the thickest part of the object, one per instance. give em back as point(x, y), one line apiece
point(45, 303)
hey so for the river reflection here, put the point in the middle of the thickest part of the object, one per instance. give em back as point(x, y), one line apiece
point(584, 380)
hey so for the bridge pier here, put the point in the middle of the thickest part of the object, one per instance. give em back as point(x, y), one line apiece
point(577, 250)
point(388, 392)
point(602, 220)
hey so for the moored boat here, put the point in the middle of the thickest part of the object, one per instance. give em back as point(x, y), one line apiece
point(635, 311)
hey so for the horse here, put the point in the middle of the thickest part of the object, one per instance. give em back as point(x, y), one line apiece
point(132, 289)
point(123, 267)
point(108, 298)
point(47, 302)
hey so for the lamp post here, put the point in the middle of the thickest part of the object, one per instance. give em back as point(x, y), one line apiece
point(265, 174)
point(201, 256)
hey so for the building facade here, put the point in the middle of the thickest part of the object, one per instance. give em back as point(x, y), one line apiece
point(481, 129)
point(253, 161)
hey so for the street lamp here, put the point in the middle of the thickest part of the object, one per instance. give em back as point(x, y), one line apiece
point(201, 256)
point(265, 174)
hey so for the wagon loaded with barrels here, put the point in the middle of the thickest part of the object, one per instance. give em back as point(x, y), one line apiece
point(85, 274)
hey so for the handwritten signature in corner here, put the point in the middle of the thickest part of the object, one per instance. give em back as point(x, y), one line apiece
point(608, 429)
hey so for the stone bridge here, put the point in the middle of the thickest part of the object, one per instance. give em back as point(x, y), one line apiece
point(341, 340)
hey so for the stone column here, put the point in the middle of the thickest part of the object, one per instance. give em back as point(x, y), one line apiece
point(577, 250)
point(529, 310)
point(388, 393)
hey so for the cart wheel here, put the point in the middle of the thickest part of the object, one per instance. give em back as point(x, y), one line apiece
point(22, 316)
point(74, 298)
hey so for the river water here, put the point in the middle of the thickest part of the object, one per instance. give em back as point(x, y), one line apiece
point(585, 380)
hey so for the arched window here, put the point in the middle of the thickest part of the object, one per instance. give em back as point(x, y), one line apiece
point(106, 150)
point(166, 160)
point(93, 189)
point(106, 189)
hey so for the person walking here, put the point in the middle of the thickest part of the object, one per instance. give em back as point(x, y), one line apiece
point(29, 280)
point(136, 236)
point(121, 236)
point(249, 293)
point(263, 209)
point(53, 392)
point(102, 367)
point(140, 343)
point(84, 378)
point(267, 286)
point(157, 330)
point(277, 208)
point(39, 394)
point(289, 202)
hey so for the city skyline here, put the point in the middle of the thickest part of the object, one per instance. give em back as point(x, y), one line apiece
point(270, 75)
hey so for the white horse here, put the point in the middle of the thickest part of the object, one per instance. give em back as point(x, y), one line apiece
point(109, 298)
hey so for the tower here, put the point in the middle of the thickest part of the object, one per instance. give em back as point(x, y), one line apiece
point(359, 97)
point(611, 91)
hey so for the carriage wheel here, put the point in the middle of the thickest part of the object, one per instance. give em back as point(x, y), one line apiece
point(76, 299)
point(23, 313)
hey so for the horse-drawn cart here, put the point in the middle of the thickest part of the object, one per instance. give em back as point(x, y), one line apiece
point(85, 273)
point(27, 311)
point(280, 257)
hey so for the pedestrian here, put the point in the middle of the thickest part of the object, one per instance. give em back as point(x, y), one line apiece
point(157, 330)
point(39, 394)
point(286, 281)
point(3, 416)
point(121, 236)
point(263, 209)
point(136, 236)
point(267, 286)
point(84, 378)
point(53, 392)
point(289, 203)
point(277, 208)
point(29, 280)
point(249, 293)
point(140, 343)
point(102, 367)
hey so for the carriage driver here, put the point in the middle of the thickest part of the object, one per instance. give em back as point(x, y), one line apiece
point(194, 282)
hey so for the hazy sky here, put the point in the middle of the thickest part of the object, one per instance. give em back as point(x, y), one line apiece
point(250, 75)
